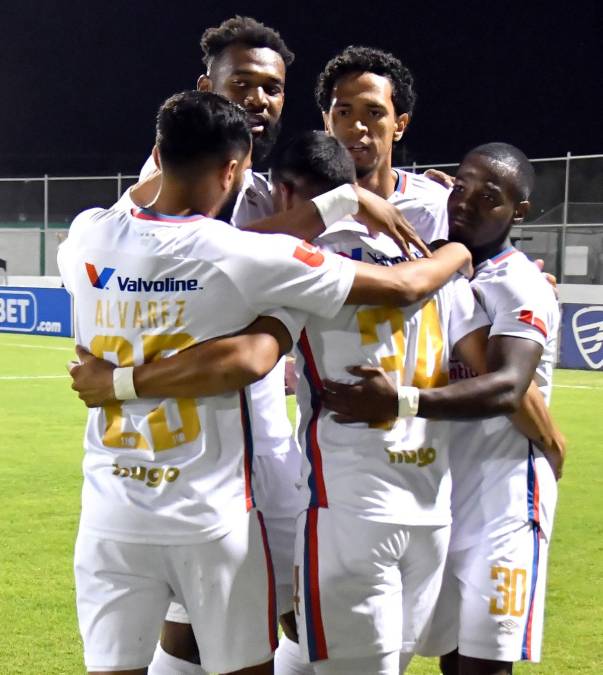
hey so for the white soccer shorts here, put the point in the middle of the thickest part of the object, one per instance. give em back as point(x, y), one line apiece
point(277, 496)
point(123, 592)
point(364, 587)
point(492, 600)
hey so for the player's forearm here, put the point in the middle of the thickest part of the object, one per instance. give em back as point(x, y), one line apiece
point(303, 221)
point(533, 418)
point(409, 282)
point(209, 369)
point(488, 395)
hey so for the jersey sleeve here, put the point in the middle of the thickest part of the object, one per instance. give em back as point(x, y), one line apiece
point(514, 309)
point(466, 314)
point(77, 234)
point(276, 270)
point(293, 319)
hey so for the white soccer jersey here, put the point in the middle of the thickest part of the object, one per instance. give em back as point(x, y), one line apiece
point(270, 423)
point(500, 479)
point(424, 203)
point(145, 286)
point(399, 475)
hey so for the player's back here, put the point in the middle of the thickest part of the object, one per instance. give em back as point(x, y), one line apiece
point(391, 475)
point(146, 286)
point(500, 479)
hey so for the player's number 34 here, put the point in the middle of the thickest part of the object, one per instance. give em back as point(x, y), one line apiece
point(162, 436)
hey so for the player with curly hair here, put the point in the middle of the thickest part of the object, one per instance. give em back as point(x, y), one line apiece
point(367, 98)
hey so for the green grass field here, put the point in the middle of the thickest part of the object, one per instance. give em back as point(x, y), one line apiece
point(41, 425)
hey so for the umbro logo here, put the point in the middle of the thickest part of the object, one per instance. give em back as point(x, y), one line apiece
point(96, 279)
point(587, 324)
point(508, 626)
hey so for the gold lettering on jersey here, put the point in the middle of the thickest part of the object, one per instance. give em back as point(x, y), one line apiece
point(152, 477)
point(122, 308)
point(98, 321)
point(152, 314)
point(181, 304)
point(137, 320)
point(421, 457)
point(140, 314)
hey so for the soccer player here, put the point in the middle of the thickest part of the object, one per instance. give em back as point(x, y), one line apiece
point(310, 165)
point(167, 508)
point(490, 611)
point(246, 62)
point(367, 97)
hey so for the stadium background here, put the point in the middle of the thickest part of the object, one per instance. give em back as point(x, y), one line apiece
point(81, 85)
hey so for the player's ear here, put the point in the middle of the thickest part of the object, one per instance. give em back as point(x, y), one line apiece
point(402, 121)
point(156, 158)
point(287, 196)
point(204, 83)
point(228, 173)
point(521, 211)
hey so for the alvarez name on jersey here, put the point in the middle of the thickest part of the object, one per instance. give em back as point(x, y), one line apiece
point(400, 475)
point(147, 285)
point(500, 479)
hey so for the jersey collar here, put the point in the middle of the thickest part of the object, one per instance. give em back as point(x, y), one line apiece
point(143, 213)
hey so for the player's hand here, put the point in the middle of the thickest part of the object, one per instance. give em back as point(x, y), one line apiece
point(380, 216)
point(373, 399)
point(550, 278)
point(145, 191)
point(92, 378)
point(441, 177)
point(555, 454)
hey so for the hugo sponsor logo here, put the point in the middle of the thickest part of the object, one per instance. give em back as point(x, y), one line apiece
point(421, 457)
point(587, 326)
point(150, 477)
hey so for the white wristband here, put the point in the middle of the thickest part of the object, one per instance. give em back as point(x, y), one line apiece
point(337, 204)
point(408, 401)
point(123, 384)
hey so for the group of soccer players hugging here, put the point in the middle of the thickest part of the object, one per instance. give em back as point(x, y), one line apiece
point(411, 511)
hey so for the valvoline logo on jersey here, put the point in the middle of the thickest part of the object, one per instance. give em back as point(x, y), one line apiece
point(128, 284)
point(587, 326)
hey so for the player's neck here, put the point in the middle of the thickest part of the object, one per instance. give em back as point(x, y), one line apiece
point(489, 251)
point(174, 199)
point(382, 181)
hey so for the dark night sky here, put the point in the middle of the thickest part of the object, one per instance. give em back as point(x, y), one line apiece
point(81, 81)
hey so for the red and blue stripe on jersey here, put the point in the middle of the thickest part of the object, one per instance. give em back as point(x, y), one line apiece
point(316, 482)
point(526, 646)
point(315, 632)
point(247, 449)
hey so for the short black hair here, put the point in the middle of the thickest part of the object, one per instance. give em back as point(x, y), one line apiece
point(196, 127)
point(318, 159)
point(246, 31)
point(368, 60)
point(515, 160)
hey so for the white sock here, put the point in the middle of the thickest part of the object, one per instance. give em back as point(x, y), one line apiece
point(288, 659)
point(166, 664)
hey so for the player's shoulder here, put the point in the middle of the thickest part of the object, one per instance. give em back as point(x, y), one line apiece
point(352, 239)
point(512, 274)
point(257, 188)
point(418, 186)
point(90, 217)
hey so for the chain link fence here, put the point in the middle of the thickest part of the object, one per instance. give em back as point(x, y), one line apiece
point(565, 226)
